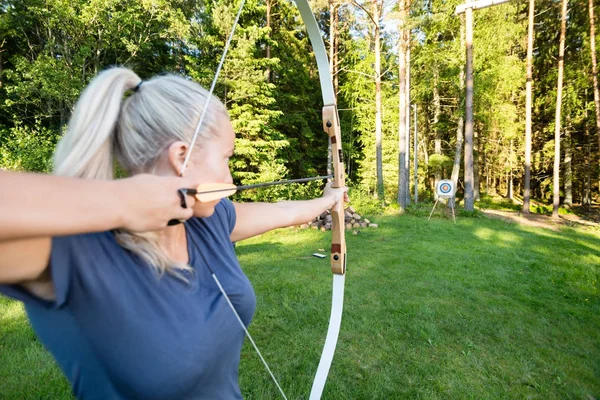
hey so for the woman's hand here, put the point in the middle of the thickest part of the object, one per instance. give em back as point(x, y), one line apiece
point(336, 194)
point(150, 202)
point(36, 205)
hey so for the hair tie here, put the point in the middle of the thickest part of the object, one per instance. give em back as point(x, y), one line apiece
point(137, 87)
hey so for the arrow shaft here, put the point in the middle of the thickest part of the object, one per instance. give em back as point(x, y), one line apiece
point(258, 185)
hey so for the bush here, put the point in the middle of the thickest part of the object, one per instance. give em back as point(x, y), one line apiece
point(27, 148)
point(365, 203)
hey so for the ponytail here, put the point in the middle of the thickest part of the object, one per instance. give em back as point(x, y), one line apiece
point(85, 151)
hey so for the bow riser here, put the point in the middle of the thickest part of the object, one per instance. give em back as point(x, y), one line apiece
point(331, 126)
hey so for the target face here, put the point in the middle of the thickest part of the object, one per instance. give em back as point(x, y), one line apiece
point(445, 188)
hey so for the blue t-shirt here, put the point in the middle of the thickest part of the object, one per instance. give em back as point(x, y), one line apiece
point(119, 331)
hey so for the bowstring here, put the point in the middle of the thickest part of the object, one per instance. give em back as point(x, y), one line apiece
point(212, 89)
point(214, 276)
point(183, 168)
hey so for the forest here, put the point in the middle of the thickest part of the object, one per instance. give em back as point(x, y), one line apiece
point(400, 74)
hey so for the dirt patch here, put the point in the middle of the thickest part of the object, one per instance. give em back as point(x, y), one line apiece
point(544, 221)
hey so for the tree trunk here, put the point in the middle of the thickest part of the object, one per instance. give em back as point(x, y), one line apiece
point(469, 202)
point(336, 44)
point(402, 48)
point(416, 156)
point(568, 174)
point(487, 172)
point(378, 151)
point(561, 62)
point(588, 169)
point(407, 130)
point(268, 47)
point(1, 63)
point(437, 111)
point(476, 165)
point(594, 68)
point(509, 180)
point(460, 129)
point(528, 106)
point(458, 151)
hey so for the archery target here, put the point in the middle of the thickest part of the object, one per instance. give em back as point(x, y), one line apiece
point(445, 188)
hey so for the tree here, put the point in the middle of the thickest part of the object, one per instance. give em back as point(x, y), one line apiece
point(594, 67)
point(403, 46)
point(557, 121)
point(376, 18)
point(528, 106)
point(469, 203)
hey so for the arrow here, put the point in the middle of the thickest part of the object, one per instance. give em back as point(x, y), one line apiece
point(213, 191)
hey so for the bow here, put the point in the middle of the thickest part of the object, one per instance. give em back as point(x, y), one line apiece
point(331, 125)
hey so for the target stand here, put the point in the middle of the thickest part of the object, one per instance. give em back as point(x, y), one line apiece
point(445, 190)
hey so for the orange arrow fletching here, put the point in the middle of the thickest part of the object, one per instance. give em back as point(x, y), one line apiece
point(214, 191)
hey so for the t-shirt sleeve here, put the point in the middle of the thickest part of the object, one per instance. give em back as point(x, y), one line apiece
point(61, 266)
point(228, 213)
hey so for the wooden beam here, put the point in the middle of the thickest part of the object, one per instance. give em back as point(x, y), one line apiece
point(477, 5)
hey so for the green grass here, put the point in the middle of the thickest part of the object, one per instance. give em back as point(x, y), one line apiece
point(27, 371)
point(482, 309)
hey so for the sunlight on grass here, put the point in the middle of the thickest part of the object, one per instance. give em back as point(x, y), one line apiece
point(11, 311)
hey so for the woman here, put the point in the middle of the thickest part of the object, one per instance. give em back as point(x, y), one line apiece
point(125, 303)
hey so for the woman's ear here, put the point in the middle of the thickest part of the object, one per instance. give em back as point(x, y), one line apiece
point(176, 155)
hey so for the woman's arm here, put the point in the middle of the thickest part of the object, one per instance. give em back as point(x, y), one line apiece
point(255, 218)
point(34, 207)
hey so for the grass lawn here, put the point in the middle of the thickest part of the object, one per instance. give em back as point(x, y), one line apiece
point(482, 309)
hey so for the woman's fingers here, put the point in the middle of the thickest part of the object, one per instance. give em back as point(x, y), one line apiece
point(338, 194)
point(150, 201)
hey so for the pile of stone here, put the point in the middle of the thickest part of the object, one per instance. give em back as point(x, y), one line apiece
point(353, 220)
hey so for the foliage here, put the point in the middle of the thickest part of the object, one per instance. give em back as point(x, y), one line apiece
point(440, 161)
point(49, 51)
point(27, 148)
point(364, 202)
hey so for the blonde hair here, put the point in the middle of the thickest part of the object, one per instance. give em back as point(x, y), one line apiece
point(135, 130)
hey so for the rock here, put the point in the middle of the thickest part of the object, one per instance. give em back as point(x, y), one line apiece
point(367, 221)
point(303, 226)
point(348, 226)
point(356, 216)
point(363, 224)
point(328, 218)
point(373, 226)
point(351, 209)
point(356, 225)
